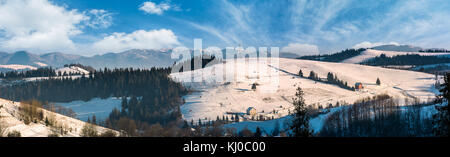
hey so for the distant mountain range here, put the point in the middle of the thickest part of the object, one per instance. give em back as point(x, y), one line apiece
point(137, 58)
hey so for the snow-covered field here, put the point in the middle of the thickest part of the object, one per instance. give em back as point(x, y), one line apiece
point(214, 99)
point(9, 118)
point(370, 53)
point(101, 108)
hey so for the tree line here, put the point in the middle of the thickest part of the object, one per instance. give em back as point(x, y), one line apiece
point(336, 57)
point(379, 116)
point(103, 83)
point(40, 72)
point(409, 59)
point(434, 50)
point(331, 79)
point(205, 60)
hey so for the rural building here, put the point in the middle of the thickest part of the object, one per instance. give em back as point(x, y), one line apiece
point(251, 111)
point(359, 86)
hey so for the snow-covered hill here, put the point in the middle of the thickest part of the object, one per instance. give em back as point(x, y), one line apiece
point(371, 53)
point(17, 67)
point(73, 70)
point(217, 98)
point(10, 119)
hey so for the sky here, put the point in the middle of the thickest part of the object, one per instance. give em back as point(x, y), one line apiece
point(304, 27)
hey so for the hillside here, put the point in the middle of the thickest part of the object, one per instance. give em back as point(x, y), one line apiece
point(10, 119)
point(214, 99)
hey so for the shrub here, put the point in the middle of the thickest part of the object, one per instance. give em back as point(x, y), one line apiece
point(14, 133)
point(108, 133)
point(89, 130)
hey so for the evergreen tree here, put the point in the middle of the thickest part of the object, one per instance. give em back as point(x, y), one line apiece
point(300, 73)
point(258, 132)
point(300, 124)
point(442, 117)
point(47, 123)
point(276, 129)
point(185, 124)
point(378, 81)
point(312, 75)
point(254, 86)
point(94, 119)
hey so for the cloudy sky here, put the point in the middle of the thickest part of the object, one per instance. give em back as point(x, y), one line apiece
point(89, 27)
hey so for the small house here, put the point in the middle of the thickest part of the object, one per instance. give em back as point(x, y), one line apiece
point(359, 86)
point(251, 111)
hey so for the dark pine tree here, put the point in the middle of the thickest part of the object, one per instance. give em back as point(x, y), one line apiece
point(258, 132)
point(378, 81)
point(442, 117)
point(300, 124)
point(300, 73)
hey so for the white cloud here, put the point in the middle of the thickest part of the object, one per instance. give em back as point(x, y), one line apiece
point(140, 39)
point(301, 49)
point(99, 18)
point(367, 44)
point(41, 26)
point(153, 8)
point(37, 25)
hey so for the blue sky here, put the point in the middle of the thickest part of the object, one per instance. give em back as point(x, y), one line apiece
point(89, 27)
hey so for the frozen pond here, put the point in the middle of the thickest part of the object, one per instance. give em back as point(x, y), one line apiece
point(98, 107)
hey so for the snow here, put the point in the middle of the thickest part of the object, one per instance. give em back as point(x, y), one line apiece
point(9, 117)
point(101, 108)
point(72, 69)
point(17, 67)
point(216, 98)
point(40, 64)
point(267, 126)
point(370, 53)
point(55, 77)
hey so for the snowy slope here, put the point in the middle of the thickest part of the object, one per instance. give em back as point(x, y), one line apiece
point(217, 98)
point(9, 117)
point(40, 64)
point(98, 107)
point(72, 69)
point(18, 67)
point(370, 53)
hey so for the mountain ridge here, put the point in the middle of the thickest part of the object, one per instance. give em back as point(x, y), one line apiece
point(136, 58)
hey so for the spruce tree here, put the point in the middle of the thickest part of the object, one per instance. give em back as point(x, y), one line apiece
point(300, 124)
point(300, 73)
point(258, 132)
point(378, 81)
point(441, 119)
point(94, 119)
